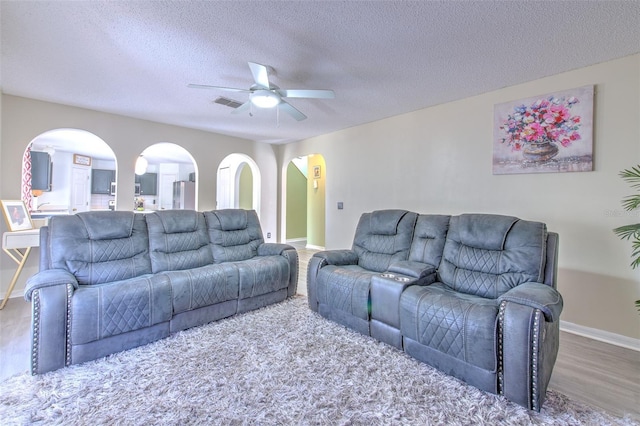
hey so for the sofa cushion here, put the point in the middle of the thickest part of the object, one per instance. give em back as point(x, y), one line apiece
point(119, 225)
point(345, 288)
point(235, 234)
point(99, 247)
point(178, 240)
point(106, 310)
point(204, 286)
point(460, 325)
point(486, 255)
point(383, 237)
point(429, 236)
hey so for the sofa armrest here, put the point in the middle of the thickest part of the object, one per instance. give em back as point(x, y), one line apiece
point(291, 255)
point(273, 249)
point(338, 257)
point(50, 294)
point(423, 272)
point(49, 278)
point(318, 261)
point(537, 296)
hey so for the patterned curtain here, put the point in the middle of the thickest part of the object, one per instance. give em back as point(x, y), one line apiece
point(26, 178)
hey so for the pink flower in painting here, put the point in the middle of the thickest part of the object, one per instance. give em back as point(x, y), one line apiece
point(533, 131)
point(545, 120)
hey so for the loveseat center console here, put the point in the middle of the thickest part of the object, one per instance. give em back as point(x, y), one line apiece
point(386, 289)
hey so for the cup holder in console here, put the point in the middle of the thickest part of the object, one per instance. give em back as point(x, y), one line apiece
point(395, 277)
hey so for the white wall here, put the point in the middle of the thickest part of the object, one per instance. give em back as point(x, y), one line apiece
point(436, 160)
point(439, 160)
point(23, 119)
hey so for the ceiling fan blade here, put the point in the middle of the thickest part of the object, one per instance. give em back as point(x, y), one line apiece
point(291, 110)
point(242, 108)
point(260, 74)
point(204, 86)
point(307, 93)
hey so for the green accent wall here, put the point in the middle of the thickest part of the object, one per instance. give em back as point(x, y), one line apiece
point(296, 203)
point(245, 192)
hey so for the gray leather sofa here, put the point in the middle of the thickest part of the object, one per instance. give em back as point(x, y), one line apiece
point(471, 295)
point(111, 281)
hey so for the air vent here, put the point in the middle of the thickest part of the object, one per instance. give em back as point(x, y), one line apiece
point(228, 102)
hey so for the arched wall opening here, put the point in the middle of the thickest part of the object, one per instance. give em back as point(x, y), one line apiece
point(57, 169)
point(304, 199)
point(166, 177)
point(239, 183)
point(244, 186)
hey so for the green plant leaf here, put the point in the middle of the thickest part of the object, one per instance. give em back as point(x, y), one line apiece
point(626, 232)
point(635, 253)
point(632, 176)
point(638, 305)
point(632, 202)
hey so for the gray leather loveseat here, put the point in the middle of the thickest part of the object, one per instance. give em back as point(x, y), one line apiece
point(472, 295)
point(110, 281)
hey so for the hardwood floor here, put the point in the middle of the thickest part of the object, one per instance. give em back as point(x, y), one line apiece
point(596, 373)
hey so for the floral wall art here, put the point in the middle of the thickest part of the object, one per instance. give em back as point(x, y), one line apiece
point(546, 133)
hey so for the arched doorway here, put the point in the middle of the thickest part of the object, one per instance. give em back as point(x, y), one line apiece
point(305, 201)
point(58, 171)
point(244, 186)
point(239, 183)
point(166, 178)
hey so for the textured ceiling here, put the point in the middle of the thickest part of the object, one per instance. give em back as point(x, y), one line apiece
point(382, 58)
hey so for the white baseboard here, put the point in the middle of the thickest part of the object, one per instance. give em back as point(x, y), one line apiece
point(296, 240)
point(601, 335)
point(312, 247)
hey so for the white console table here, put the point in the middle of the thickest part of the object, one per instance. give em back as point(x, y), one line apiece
point(17, 245)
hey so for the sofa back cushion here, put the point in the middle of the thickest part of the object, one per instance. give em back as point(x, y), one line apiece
point(235, 234)
point(383, 237)
point(486, 255)
point(99, 247)
point(428, 238)
point(178, 240)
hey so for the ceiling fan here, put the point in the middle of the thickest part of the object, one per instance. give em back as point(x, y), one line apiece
point(264, 94)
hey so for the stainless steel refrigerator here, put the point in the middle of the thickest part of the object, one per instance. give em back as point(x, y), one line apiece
point(184, 195)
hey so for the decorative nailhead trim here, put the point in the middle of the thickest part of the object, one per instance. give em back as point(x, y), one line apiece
point(503, 306)
point(68, 333)
point(535, 345)
point(35, 331)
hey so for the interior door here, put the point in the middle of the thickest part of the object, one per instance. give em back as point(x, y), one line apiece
point(80, 189)
point(224, 200)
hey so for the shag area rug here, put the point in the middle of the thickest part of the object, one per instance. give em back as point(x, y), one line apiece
point(280, 365)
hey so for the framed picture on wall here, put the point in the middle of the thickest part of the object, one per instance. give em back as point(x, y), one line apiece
point(316, 172)
point(16, 215)
point(545, 133)
point(82, 160)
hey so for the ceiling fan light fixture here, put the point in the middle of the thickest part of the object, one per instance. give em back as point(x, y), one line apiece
point(265, 99)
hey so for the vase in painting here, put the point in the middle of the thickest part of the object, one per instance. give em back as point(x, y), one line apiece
point(539, 152)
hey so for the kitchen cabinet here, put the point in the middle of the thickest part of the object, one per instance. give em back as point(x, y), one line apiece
point(148, 183)
point(101, 181)
point(40, 171)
